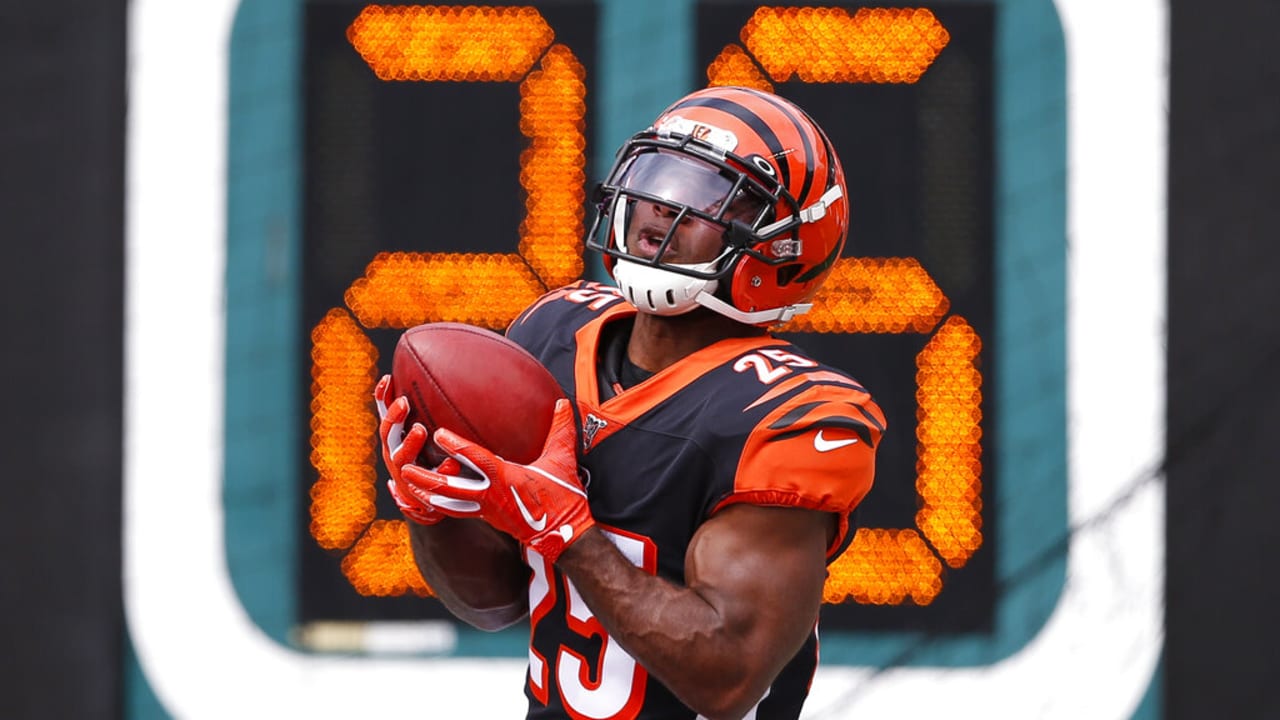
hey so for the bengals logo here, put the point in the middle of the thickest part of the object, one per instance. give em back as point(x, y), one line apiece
point(679, 125)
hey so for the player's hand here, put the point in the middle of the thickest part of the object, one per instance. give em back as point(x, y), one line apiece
point(399, 449)
point(541, 504)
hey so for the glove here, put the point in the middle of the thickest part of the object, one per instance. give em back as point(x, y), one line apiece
point(413, 506)
point(542, 504)
point(399, 448)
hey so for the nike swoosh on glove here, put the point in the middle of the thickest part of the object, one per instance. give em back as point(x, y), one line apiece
point(540, 504)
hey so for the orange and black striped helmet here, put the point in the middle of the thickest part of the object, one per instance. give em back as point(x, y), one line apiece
point(749, 164)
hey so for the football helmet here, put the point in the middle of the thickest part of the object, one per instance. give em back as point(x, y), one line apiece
point(744, 166)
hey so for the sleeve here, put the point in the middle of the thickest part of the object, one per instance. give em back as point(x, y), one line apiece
point(816, 451)
point(529, 319)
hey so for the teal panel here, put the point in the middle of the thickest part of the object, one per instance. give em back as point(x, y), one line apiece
point(627, 99)
point(1031, 313)
point(646, 62)
point(262, 437)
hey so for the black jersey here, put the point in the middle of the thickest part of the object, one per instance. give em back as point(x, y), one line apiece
point(744, 420)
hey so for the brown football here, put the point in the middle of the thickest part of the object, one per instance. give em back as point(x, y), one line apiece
point(478, 384)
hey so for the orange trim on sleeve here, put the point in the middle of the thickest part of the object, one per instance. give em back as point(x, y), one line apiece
point(818, 376)
point(815, 451)
point(776, 499)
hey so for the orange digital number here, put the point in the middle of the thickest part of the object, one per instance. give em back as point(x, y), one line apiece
point(862, 295)
point(400, 290)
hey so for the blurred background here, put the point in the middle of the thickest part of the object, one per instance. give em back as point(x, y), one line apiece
point(217, 219)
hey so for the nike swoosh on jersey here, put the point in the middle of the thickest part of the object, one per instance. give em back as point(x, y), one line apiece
point(822, 444)
point(536, 525)
point(790, 420)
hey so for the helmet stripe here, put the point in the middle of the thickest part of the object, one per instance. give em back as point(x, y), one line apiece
point(750, 118)
point(826, 144)
point(804, 138)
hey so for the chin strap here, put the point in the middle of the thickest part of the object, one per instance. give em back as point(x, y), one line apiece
point(776, 315)
point(814, 212)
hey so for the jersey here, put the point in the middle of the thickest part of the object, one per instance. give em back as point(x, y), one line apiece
point(745, 420)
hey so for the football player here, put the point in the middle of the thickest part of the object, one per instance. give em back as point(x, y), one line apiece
point(670, 545)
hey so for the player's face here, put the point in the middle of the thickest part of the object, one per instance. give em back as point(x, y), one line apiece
point(694, 241)
point(683, 182)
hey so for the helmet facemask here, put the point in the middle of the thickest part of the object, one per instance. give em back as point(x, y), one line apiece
point(661, 194)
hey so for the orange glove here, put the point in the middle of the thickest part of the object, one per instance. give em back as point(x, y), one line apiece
point(541, 504)
point(399, 448)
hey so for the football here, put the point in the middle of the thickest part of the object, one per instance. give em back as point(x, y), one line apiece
point(478, 384)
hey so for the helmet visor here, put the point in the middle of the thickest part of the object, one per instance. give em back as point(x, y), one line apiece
point(684, 181)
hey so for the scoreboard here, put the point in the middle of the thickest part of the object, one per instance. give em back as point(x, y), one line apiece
point(445, 157)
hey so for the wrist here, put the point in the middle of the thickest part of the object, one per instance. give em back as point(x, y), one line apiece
point(552, 544)
point(581, 547)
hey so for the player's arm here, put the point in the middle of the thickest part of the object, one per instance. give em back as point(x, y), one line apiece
point(754, 574)
point(476, 571)
point(754, 578)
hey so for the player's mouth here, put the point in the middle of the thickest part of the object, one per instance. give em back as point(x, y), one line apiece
point(649, 240)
